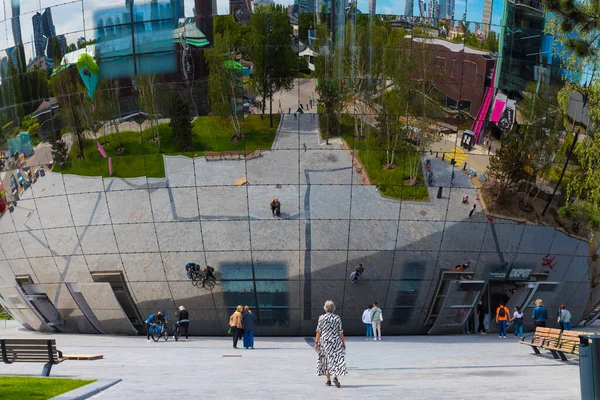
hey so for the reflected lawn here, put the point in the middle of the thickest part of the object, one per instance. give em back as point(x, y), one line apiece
point(17, 387)
point(140, 154)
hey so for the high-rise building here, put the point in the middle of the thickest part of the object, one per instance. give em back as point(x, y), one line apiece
point(486, 18)
point(305, 6)
point(129, 5)
point(62, 40)
point(16, 21)
point(48, 30)
point(409, 8)
point(178, 9)
point(155, 15)
point(38, 35)
point(422, 8)
point(432, 9)
point(446, 9)
point(80, 42)
point(372, 6)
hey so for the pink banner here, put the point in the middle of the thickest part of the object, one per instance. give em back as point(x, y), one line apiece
point(497, 111)
point(110, 165)
point(101, 149)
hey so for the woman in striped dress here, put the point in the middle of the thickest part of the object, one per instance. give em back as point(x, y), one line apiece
point(330, 345)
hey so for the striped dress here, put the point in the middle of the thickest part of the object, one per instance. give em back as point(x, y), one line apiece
point(332, 356)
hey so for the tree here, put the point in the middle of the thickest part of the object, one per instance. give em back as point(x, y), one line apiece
point(306, 22)
point(148, 101)
point(71, 47)
point(392, 132)
point(181, 122)
point(107, 108)
point(59, 148)
point(74, 105)
point(224, 79)
point(507, 166)
point(275, 62)
point(303, 66)
point(332, 96)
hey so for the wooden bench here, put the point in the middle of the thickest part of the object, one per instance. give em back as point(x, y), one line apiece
point(32, 351)
point(253, 154)
point(541, 337)
point(211, 155)
point(567, 344)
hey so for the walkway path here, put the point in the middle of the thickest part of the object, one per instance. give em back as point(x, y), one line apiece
point(408, 367)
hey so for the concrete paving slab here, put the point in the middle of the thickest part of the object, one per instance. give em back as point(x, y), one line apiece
point(412, 367)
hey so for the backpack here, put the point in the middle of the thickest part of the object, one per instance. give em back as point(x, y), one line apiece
point(502, 313)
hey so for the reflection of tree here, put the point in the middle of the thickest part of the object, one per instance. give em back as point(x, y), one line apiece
point(107, 108)
point(74, 104)
point(180, 122)
point(148, 101)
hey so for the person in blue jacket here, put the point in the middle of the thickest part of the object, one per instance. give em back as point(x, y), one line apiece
point(189, 267)
point(540, 314)
point(248, 326)
point(153, 320)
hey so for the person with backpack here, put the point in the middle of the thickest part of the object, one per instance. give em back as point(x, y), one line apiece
point(517, 319)
point(502, 319)
point(565, 318)
point(540, 314)
point(376, 318)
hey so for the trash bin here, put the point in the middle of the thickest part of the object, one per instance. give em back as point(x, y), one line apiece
point(589, 366)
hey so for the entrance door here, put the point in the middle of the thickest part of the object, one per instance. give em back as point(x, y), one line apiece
point(36, 296)
point(453, 302)
point(527, 293)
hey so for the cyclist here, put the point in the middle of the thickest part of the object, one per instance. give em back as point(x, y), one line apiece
point(208, 274)
point(190, 267)
point(153, 320)
point(183, 320)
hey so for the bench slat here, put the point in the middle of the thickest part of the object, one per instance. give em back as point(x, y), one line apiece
point(29, 341)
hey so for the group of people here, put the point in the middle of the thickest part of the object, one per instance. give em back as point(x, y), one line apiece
point(183, 321)
point(372, 318)
point(275, 207)
point(241, 325)
point(208, 271)
point(539, 316)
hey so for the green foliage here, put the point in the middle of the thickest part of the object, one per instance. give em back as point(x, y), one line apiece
point(303, 66)
point(275, 63)
point(18, 387)
point(59, 149)
point(306, 22)
point(332, 94)
point(507, 166)
point(180, 122)
point(586, 183)
point(580, 218)
point(577, 16)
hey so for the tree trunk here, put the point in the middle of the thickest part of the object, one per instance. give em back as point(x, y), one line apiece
point(562, 173)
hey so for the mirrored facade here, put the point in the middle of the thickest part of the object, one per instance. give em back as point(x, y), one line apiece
point(284, 145)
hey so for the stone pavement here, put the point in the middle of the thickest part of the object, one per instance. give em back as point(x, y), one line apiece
point(407, 367)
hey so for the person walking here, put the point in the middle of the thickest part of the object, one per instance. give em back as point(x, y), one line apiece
point(376, 318)
point(183, 320)
point(472, 210)
point(517, 320)
point(235, 325)
point(330, 345)
point(540, 314)
point(248, 325)
point(366, 319)
point(502, 314)
point(480, 319)
point(273, 205)
point(565, 318)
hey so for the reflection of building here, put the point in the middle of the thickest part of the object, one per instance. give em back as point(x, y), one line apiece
point(178, 10)
point(16, 21)
point(80, 42)
point(409, 8)
point(521, 44)
point(241, 10)
point(62, 41)
point(372, 6)
point(49, 30)
point(39, 40)
point(446, 8)
point(486, 18)
point(305, 6)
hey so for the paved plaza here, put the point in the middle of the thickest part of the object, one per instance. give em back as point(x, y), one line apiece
point(408, 367)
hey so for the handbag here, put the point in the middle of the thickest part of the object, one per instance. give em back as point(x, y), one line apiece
point(229, 331)
point(380, 316)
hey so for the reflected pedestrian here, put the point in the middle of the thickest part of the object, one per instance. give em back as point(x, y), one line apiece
point(481, 319)
point(248, 325)
point(273, 205)
point(366, 319)
point(472, 210)
point(235, 325)
point(330, 345)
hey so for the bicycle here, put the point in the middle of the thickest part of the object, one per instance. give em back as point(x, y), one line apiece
point(158, 330)
point(177, 330)
point(195, 275)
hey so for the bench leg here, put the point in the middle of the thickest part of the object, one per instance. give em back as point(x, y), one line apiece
point(535, 350)
point(562, 356)
point(47, 368)
point(554, 354)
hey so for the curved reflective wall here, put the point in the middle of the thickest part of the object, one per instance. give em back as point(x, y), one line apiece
point(138, 137)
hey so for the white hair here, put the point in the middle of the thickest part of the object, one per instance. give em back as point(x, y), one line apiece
point(329, 306)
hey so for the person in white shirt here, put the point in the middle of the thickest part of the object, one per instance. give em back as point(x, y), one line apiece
point(517, 318)
point(366, 319)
